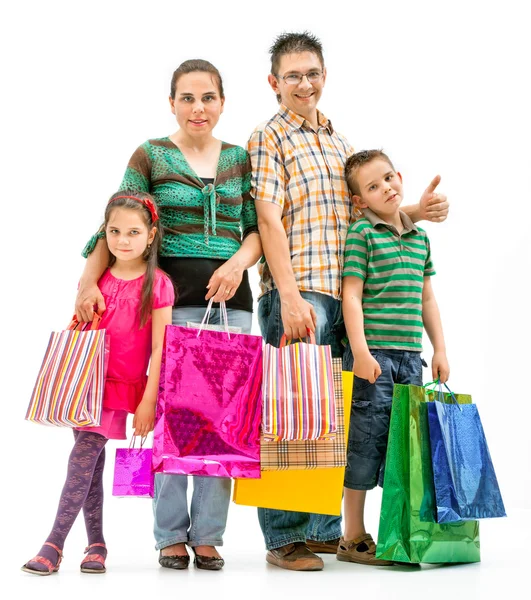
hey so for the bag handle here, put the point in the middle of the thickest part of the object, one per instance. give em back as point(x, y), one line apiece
point(133, 440)
point(74, 323)
point(436, 382)
point(224, 317)
point(284, 340)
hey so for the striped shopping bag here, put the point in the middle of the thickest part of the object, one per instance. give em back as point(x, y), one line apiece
point(69, 387)
point(298, 392)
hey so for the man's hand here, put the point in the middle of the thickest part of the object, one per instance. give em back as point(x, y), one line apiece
point(367, 367)
point(298, 316)
point(440, 369)
point(87, 297)
point(433, 206)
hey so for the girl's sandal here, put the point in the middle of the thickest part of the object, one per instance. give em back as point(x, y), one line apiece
point(44, 561)
point(91, 558)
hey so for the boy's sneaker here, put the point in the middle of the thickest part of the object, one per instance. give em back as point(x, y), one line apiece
point(362, 550)
point(294, 557)
point(328, 547)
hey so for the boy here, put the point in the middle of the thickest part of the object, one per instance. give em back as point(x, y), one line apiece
point(387, 299)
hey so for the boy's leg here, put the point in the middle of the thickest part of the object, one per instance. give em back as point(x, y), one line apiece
point(368, 432)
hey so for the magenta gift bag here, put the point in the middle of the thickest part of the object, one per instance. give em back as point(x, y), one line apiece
point(133, 475)
point(209, 407)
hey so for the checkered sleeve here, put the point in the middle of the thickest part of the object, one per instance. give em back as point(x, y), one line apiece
point(356, 253)
point(268, 182)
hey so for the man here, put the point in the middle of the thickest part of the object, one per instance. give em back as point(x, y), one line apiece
point(304, 211)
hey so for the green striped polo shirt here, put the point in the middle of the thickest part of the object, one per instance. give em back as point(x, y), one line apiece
point(393, 267)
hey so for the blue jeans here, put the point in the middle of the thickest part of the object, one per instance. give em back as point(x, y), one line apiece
point(370, 414)
point(205, 524)
point(281, 527)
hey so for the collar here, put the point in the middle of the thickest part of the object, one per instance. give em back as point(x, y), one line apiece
point(295, 121)
point(375, 220)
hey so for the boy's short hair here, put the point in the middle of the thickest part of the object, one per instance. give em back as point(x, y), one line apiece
point(359, 159)
point(294, 43)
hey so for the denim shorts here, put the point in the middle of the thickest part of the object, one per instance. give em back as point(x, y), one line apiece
point(370, 414)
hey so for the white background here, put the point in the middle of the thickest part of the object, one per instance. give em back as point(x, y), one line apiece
point(441, 86)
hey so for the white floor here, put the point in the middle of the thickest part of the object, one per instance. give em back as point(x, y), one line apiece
point(133, 571)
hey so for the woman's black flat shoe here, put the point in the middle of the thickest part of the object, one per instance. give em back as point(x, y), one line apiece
point(208, 563)
point(174, 562)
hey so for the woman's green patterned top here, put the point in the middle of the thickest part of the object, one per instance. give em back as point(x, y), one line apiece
point(200, 221)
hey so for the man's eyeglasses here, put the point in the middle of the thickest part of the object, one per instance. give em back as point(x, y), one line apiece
point(296, 78)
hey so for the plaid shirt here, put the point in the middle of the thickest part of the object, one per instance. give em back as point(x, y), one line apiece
point(302, 171)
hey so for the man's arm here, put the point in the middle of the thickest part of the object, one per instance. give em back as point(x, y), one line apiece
point(297, 314)
point(432, 206)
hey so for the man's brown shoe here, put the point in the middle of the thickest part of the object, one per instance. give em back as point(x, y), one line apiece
point(328, 547)
point(362, 550)
point(294, 557)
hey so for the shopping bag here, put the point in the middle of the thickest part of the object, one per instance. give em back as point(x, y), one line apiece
point(465, 482)
point(317, 490)
point(209, 406)
point(292, 455)
point(69, 387)
point(298, 391)
point(206, 325)
point(132, 472)
point(408, 532)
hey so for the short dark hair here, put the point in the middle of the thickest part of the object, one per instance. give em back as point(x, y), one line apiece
point(196, 65)
point(294, 43)
point(359, 159)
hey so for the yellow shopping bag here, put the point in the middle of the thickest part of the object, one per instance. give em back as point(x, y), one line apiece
point(313, 490)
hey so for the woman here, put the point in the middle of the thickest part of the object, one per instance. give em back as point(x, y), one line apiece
point(201, 186)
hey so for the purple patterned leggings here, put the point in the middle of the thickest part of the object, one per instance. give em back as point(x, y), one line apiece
point(83, 489)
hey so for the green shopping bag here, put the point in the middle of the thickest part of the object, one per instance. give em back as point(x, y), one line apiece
point(408, 532)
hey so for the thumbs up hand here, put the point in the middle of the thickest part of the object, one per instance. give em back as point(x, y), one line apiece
point(433, 206)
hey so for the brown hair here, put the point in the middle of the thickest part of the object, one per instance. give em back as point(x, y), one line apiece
point(294, 43)
point(359, 159)
point(132, 200)
point(196, 65)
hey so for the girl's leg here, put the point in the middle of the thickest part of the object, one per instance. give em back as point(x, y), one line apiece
point(93, 512)
point(81, 466)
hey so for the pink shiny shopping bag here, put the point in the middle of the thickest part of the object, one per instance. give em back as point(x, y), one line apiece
point(132, 472)
point(209, 407)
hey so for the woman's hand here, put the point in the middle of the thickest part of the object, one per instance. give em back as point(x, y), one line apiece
point(88, 295)
point(224, 282)
point(144, 418)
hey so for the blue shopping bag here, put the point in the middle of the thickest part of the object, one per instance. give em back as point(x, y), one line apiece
point(466, 487)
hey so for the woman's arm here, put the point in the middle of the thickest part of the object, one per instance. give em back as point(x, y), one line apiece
point(226, 280)
point(88, 294)
point(144, 418)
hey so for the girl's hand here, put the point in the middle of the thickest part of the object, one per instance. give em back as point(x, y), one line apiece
point(144, 418)
point(367, 367)
point(87, 297)
point(224, 282)
point(440, 369)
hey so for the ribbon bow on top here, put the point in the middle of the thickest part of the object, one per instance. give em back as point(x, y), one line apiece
point(209, 204)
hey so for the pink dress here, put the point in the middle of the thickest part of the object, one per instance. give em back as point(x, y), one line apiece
point(129, 347)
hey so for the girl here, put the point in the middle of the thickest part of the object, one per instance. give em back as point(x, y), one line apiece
point(202, 187)
point(138, 299)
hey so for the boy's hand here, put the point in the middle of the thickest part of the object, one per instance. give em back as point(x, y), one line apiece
point(367, 367)
point(144, 418)
point(440, 369)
